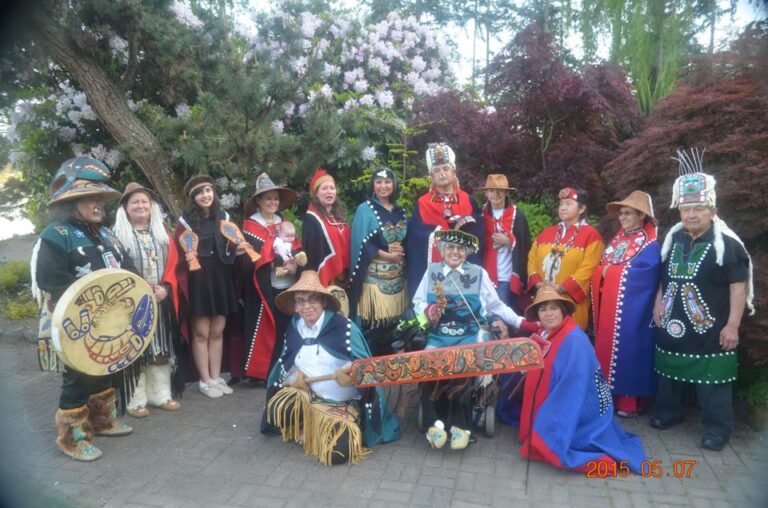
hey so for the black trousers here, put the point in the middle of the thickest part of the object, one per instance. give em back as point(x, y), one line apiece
point(77, 387)
point(450, 408)
point(716, 401)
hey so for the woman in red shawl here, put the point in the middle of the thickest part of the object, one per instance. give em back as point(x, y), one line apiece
point(325, 232)
point(263, 323)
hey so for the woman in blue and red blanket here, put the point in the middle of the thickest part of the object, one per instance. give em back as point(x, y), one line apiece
point(623, 294)
point(567, 418)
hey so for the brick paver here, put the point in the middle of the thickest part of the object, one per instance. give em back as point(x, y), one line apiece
point(211, 454)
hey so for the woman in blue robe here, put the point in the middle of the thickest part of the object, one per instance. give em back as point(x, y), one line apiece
point(567, 416)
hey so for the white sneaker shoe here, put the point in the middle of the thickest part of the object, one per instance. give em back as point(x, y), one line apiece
point(223, 386)
point(210, 389)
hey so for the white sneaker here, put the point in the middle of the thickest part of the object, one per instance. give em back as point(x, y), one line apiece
point(223, 386)
point(210, 389)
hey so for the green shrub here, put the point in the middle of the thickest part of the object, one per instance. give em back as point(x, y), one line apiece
point(538, 211)
point(20, 307)
point(752, 384)
point(13, 276)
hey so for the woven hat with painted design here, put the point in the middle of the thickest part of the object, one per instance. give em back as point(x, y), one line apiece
point(309, 282)
point(81, 177)
point(265, 184)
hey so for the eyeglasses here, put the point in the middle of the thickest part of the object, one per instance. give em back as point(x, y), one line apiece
point(311, 300)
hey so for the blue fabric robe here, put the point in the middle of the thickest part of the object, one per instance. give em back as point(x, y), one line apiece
point(567, 417)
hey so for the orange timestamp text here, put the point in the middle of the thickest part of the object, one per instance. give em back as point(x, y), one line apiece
point(648, 469)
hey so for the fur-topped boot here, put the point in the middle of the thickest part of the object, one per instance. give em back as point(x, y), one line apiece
point(103, 413)
point(73, 434)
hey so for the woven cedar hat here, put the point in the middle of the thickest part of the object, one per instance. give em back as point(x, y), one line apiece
point(547, 294)
point(81, 177)
point(134, 187)
point(196, 182)
point(308, 282)
point(499, 182)
point(265, 184)
point(638, 200)
point(458, 237)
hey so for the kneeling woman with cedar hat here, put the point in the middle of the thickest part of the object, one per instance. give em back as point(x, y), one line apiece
point(567, 417)
point(335, 422)
point(70, 248)
point(208, 292)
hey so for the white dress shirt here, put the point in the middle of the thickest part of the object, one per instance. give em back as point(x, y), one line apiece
point(316, 361)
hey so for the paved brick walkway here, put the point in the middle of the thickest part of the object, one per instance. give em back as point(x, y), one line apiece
point(211, 454)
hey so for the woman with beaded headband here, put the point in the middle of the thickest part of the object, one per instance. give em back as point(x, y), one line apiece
point(70, 248)
point(623, 293)
point(565, 255)
point(445, 206)
point(325, 232)
point(139, 226)
point(706, 283)
point(263, 323)
point(207, 294)
point(377, 280)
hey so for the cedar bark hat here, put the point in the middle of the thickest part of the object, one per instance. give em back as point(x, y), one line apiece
point(265, 184)
point(196, 182)
point(134, 187)
point(309, 282)
point(495, 181)
point(638, 200)
point(547, 294)
point(81, 177)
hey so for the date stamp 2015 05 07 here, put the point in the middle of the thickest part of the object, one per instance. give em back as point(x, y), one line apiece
point(648, 469)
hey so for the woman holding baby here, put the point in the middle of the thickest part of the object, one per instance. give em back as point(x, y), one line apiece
point(275, 239)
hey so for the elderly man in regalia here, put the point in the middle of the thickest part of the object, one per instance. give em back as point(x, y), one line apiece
point(444, 207)
point(705, 286)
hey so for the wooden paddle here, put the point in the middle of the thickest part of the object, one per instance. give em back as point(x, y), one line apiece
point(232, 233)
point(189, 241)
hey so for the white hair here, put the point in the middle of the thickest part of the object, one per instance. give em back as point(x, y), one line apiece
point(123, 228)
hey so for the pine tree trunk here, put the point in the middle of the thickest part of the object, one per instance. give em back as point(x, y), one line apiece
point(108, 102)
